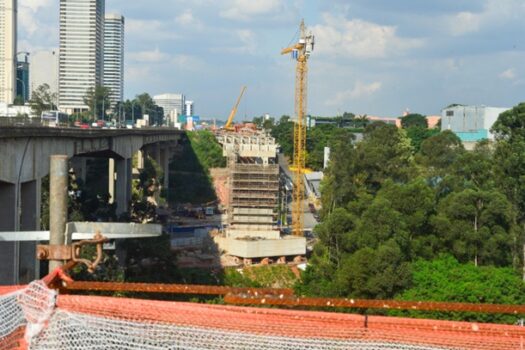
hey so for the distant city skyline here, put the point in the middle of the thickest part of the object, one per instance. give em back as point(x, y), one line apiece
point(376, 57)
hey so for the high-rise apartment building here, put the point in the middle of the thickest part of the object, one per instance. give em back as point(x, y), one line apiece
point(8, 11)
point(114, 57)
point(81, 62)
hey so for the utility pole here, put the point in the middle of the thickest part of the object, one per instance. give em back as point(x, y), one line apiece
point(58, 183)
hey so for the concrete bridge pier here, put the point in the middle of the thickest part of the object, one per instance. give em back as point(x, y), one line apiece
point(165, 155)
point(20, 211)
point(8, 250)
point(30, 212)
point(123, 184)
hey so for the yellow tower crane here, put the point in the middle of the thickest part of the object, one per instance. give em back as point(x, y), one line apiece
point(229, 123)
point(300, 52)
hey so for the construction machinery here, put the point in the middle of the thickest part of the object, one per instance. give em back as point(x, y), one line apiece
point(300, 52)
point(229, 125)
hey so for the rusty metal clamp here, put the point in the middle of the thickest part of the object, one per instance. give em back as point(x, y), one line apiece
point(72, 253)
point(97, 240)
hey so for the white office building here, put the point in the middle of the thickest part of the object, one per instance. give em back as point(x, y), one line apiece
point(8, 11)
point(81, 51)
point(114, 56)
point(470, 123)
point(170, 103)
point(44, 70)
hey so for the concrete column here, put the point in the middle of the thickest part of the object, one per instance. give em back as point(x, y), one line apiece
point(8, 250)
point(58, 182)
point(111, 180)
point(165, 165)
point(30, 202)
point(123, 185)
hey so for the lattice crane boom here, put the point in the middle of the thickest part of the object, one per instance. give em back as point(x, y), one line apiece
point(300, 52)
point(233, 112)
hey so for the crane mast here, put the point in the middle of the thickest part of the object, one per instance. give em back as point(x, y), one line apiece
point(300, 52)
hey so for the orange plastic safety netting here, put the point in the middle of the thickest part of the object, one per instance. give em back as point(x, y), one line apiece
point(35, 317)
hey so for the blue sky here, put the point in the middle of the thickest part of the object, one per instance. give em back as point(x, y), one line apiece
point(376, 57)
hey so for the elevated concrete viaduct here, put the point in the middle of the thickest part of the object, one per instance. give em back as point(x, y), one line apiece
point(24, 161)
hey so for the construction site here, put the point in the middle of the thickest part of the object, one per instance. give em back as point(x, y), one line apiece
point(252, 232)
point(58, 312)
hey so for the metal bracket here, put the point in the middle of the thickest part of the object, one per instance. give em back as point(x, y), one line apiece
point(72, 252)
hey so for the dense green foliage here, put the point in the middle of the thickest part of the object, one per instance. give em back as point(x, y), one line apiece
point(317, 138)
point(387, 205)
point(340, 128)
point(190, 179)
point(414, 120)
point(445, 279)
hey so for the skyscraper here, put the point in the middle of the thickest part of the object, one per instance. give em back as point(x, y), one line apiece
point(81, 62)
point(8, 10)
point(114, 57)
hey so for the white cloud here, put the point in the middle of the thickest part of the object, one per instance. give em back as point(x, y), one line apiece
point(138, 73)
point(33, 24)
point(508, 74)
point(188, 62)
point(495, 12)
point(34, 5)
point(150, 29)
point(244, 10)
point(360, 90)
point(247, 43)
point(359, 39)
point(187, 19)
point(464, 23)
point(149, 56)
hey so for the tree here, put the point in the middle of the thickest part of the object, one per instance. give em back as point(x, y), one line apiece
point(417, 135)
point(147, 106)
point(283, 134)
point(438, 152)
point(385, 152)
point(42, 99)
point(98, 101)
point(414, 120)
point(19, 101)
point(446, 279)
point(475, 226)
point(509, 160)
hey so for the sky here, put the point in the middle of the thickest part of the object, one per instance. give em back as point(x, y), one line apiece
point(375, 57)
